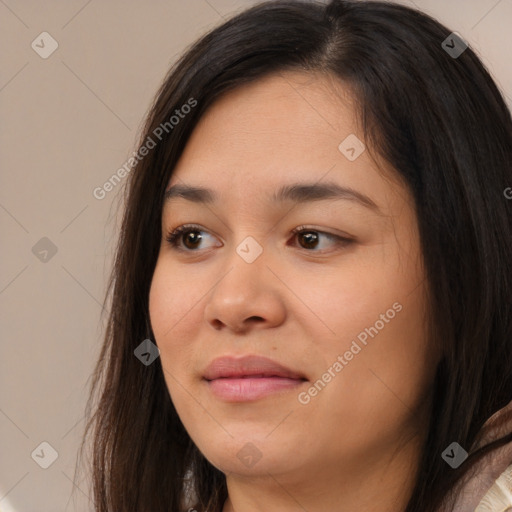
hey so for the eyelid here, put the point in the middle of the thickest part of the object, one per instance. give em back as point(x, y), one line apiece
point(342, 236)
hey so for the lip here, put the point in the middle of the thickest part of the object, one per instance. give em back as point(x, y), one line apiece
point(247, 378)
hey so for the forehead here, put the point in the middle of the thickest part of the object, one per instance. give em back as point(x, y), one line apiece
point(277, 112)
point(284, 128)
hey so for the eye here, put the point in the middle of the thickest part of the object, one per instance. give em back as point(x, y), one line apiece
point(309, 237)
point(184, 232)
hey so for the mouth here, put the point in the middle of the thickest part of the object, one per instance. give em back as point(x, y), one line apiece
point(249, 378)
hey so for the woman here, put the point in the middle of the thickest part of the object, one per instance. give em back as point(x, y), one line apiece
point(311, 298)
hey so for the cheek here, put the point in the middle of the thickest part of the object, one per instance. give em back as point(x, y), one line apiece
point(340, 302)
point(174, 321)
point(174, 303)
point(386, 372)
point(374, 317)
point(169, 321)
point(174, 310)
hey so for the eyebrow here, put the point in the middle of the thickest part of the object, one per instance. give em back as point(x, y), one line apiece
point(296, 192)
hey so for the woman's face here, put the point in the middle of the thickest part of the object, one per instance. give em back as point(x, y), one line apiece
point(345, 316)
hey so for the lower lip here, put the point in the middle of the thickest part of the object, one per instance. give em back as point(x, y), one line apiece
point(247, 389)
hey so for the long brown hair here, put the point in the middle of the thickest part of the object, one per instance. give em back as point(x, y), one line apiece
point(439, 120)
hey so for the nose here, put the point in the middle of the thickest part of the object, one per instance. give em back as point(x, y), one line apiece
point(247, 296)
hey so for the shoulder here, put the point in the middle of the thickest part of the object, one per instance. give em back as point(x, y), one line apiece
point(499, 497)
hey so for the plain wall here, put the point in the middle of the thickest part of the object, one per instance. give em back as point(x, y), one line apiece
point(68, 122)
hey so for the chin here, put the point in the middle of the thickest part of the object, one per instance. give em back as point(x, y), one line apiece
point(246, 455)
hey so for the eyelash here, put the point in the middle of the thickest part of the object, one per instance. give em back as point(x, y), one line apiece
point(173, 237)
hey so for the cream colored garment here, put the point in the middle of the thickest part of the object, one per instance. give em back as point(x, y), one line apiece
point(490, 489)
point(499, 496)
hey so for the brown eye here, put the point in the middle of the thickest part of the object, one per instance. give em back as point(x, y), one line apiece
point(191, 237)
point(309, 239)
point(186, 238)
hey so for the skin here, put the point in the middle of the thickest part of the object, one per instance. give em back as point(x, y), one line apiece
point(355, 445)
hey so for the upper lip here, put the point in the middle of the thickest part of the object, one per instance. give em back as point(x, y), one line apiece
point(247, 366)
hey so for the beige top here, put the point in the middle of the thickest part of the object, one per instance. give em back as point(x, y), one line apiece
point(499, 497)
point(489, 489)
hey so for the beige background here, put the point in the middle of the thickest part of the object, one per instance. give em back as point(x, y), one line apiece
point(68, 123)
